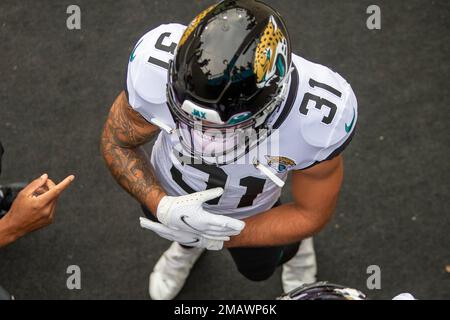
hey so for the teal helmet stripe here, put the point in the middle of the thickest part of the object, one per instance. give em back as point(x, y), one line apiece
point(280, 66)
point(239, 118)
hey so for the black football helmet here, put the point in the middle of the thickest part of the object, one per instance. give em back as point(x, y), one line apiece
point(230, 72)
point(323, 291)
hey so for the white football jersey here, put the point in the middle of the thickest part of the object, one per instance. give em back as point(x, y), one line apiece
point(315, 123)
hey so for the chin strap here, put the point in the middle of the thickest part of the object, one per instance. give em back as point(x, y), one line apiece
point(268, 173)
point(285, 88)
point(161, 125)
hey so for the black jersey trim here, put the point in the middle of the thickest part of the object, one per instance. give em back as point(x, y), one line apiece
point(336, 152)
point(125, 87)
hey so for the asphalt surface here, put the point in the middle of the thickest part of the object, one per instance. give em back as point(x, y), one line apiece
point(56, 87)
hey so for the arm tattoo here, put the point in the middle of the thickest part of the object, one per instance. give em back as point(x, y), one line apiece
point(120, 144)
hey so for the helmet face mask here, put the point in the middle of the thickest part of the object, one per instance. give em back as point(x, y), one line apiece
point(211, 142)
point(323, 291)
point(230, 72)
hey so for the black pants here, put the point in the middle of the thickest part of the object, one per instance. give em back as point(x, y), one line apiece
point(259, 263)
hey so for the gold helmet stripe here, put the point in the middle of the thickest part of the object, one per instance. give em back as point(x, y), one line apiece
point(194, 23)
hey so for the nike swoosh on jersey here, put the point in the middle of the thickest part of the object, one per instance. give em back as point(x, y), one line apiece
point(133, 56)
point(349, 127)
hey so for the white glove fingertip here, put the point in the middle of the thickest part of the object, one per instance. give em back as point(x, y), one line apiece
point(210, 194)
point(145, 223)
point(214, 245)
point(219, 191)
point(216, 238)
point(237, 225)
point(234, 232)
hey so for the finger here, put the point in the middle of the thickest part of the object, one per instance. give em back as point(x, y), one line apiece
point(216, 238)
point(146, 223)
point(226, 223)
point(221, 232)
point(56, 190)
point(213, 245)
point(50, 184)
point(216, 231)
point(209, 194)
point(233, 231)
point(158, 228)
point(154, 226)
point(40, 190)
point(36, 184)
point(164, 231)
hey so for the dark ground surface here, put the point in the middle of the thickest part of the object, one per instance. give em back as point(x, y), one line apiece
point(55, 91)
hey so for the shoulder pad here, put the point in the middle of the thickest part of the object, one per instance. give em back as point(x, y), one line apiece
point(147, 71)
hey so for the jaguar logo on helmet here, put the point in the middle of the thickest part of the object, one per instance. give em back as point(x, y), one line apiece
point(271, 55)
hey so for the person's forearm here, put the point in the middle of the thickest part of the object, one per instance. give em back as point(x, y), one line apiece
point(132, 170)
point(279, 226)
point(7, 234)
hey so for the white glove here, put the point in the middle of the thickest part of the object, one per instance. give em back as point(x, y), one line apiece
point(184, 237)
point(185, 213)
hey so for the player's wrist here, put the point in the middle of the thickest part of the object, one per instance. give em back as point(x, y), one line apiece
point(231, 243)
point(163, 208)
point(8, 231)
point(153, 200)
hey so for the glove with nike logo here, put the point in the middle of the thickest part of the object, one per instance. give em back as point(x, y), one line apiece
point(183, 237)
point(185, 213)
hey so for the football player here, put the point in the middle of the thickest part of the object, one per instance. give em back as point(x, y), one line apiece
point(234, 110)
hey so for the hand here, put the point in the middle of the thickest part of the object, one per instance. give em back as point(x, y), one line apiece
point(184, 237)
point(35, 205)
point(185, 213)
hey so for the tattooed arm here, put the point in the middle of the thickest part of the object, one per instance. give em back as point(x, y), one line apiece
point(124, 132)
